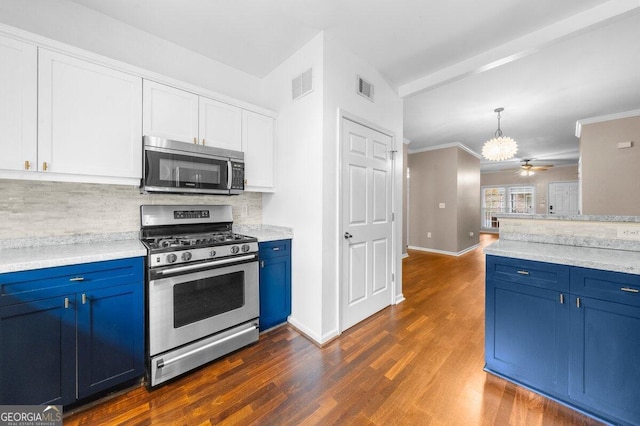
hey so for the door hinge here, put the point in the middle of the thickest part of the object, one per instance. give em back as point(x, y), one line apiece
point(393, 277)
point(393, 216)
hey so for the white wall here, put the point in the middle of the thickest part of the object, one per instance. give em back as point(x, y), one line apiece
point(307, 172)
point(78, 26)
point(298, 174)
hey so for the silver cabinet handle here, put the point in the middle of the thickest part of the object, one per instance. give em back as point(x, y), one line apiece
point(229, 172)
point(74, 279)
point(630, 290)
point(66, 303)
point(523, 272)
point(84, 298)
point(262, 263)
point(562, 298)
point(577, 302)
point(276, 249)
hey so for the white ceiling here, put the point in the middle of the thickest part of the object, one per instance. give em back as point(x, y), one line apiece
point(547, 62)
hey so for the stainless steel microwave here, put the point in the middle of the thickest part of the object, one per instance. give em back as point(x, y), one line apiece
point(172, 166)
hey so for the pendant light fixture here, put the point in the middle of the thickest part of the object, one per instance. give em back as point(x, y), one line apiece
point(499, 148)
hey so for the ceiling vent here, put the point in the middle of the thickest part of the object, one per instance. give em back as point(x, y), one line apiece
point(365, 88)
point(302, 84)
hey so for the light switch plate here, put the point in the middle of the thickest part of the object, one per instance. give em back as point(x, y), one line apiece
point(441, 205)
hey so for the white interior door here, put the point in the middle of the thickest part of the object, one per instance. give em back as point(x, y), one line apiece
point(563, 198)
point(367, 222)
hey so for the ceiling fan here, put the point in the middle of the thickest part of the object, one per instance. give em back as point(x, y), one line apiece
point(528, 169)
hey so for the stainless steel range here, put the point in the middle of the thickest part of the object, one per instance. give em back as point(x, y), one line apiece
point(202, 287)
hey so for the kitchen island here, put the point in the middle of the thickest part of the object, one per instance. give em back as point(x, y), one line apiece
point(563, 311)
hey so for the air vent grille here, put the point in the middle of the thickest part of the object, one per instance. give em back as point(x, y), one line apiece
point(302, 84)
point(365, 88)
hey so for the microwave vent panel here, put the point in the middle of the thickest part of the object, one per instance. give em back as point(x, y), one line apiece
point(302, 84)
point(365, 88)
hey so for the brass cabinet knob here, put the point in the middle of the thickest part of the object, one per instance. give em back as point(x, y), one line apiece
point(195, 140)
point(27, 165)
point(45, 166)
point(203, 142)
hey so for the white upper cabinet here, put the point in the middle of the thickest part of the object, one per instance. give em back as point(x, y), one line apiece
point(18, 105)
point(89, 120)
point(186, 117)
point(220, 124)
point(170, 113)
point(257, 144)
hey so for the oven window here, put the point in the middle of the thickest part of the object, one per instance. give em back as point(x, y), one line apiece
point(197, 300)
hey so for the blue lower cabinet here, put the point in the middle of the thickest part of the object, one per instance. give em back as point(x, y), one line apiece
point(605, 371)
point(37, 352)
point(69, 332)
point(110, 339)
point(569, 333)
point(527, 335)
point(275, 283)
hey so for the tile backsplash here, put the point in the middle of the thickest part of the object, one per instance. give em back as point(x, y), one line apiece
point(45, 209)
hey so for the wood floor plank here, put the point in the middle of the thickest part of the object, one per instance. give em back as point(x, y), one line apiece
point(416, 363)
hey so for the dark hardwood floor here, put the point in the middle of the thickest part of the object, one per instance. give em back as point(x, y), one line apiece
point(416, 363)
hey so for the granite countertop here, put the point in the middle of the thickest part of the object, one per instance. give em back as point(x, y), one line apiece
point(23, 258)
point(587, 257)
point(35, 253)
point(265, 233)
point(580, 217)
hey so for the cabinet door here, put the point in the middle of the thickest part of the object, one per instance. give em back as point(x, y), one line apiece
point(18, 104)
point(37, 352)
point(257, 144)
point(89, 119)
point(110, 337)
point(275, 283)
point(170, 113)
point(527, 335)
point(220, 125)
point(605, 372)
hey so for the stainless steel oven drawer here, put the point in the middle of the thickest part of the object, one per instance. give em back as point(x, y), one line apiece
point(178, 361)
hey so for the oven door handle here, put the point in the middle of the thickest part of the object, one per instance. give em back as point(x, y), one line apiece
point(179, 269)
point(161, 363)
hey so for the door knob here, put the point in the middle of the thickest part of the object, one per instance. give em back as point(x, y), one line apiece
point(347, 235)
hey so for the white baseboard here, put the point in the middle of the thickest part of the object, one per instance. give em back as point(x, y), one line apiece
point(448, 253)
point(306, 332)
point(399, 299)
point(405, 255)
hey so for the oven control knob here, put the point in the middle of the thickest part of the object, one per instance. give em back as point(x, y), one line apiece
point(212, 253)
point(245, 248)
point(171, 257)
point(235, 249)
point(186, 256)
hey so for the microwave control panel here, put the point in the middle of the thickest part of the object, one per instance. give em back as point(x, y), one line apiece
point(237, 176)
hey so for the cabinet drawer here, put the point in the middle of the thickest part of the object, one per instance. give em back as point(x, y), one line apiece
point(275, 248)
point(606, 285)
point(18, 287)
point(528, 272)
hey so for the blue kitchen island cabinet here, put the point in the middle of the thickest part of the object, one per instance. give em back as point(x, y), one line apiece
point(69, 332)
point(605, 341)
point(569, 333)
point(527, 322)
point(275, 283)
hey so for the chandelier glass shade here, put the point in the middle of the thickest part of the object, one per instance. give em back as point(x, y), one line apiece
point(499, 148)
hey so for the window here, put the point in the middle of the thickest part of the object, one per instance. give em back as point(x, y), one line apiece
point(505, 199)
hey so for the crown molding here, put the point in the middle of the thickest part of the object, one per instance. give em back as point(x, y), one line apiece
point(444, 146)
point(608, 117)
